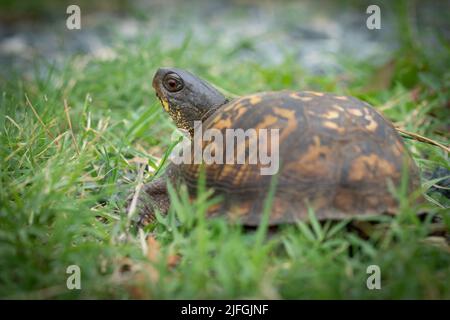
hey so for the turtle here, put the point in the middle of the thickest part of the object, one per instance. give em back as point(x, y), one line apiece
point(337, 154)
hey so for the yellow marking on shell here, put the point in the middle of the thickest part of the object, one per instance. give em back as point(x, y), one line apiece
point(255, 99)
point(267, 122)
point(397, 148)
point(319, 94)
point(341, 98)
point(313, 162)
point(238, 210)
point(372, 126)
point(239, 176)
point(355, 112)
point(296, 96)
point(370, 167)
point(331, 115)
point(242, 176)
point(227, 171)
point(337, 107)
point(334, 126)
point(240, 112)
point(234, 104)
point(285, 113)
point(223, 123)
point(291, 121)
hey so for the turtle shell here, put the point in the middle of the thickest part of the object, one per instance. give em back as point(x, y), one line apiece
point(337, 155)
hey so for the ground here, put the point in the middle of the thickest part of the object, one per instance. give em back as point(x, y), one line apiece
point(76, 129)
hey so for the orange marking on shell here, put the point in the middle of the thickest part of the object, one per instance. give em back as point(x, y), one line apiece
point(313, 162)
point(234, 104)
point(398, 148)
point(223, 123)
point(331, 114)
point(218, 117)
point(247, 174)
point(355, 112)
point(285, 113)
point(291, 121)
point(267, 122)
point(239, 176)
point(296, 96)
point(319, 94)
point(279, 208)
point(343, 200)
point(333, 126)
point(371, 167)
point(372, 126)
point(337, 107)
point(240, 112)
point(228, 171)
point(255, 99)
point(238, 210)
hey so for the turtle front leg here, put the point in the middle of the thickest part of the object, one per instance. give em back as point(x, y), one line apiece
point(153, 196)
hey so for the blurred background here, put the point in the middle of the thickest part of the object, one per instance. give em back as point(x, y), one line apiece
point(315, 33)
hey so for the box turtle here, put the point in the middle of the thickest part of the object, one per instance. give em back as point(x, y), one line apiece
point(337, 153)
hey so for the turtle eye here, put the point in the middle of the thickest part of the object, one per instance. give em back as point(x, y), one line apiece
point(172, 82)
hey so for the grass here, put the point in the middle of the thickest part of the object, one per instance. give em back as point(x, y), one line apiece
point(65, 172)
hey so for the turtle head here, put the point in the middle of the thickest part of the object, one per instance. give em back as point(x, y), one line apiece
point(185, 97)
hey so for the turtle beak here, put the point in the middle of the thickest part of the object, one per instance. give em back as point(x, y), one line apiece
point(157, 80)
point(157, 83)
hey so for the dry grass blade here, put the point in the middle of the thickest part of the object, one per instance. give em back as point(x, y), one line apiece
point(137, 191)
point(40, 120)
point(66, 110)
point(420, 138)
